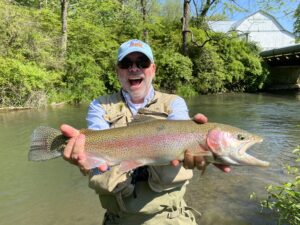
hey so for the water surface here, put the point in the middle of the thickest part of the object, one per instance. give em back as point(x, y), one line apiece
point(55, 192)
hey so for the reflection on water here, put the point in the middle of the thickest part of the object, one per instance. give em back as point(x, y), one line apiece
point(224, 198)
point(57, 193)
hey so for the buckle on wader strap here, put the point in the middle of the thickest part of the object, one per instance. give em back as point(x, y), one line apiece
point(176, 211)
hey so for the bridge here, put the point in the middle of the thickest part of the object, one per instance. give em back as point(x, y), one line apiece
point(284, 67)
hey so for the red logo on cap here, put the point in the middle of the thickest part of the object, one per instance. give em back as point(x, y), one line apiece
point(136, 44)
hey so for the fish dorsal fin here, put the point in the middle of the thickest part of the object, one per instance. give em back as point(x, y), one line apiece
point(138, 119)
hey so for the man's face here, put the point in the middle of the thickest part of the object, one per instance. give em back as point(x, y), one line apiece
point(135, 73)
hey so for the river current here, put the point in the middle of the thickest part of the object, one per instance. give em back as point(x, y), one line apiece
point(55, 192)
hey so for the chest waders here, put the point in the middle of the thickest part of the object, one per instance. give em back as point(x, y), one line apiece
point(151, 195)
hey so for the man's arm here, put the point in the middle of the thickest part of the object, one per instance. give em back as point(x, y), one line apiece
point(95, 120)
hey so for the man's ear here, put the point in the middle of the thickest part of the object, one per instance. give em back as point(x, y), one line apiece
point(153, 67)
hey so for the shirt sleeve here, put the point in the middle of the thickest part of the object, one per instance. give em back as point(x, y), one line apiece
point(179, 110)
point(95, 120)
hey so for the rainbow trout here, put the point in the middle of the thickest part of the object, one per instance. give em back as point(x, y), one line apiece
point(153, 143)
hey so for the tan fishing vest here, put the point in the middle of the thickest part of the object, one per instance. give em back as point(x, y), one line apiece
point(162, 195)
point(118, 114)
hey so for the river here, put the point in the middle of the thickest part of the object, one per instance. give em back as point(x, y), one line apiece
point(55, 192)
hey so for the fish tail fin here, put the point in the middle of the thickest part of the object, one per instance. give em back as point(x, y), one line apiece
point(46, 143)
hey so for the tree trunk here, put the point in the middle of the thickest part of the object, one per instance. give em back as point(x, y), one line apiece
point(144, 14)
point(185, 26)
point(64, 20)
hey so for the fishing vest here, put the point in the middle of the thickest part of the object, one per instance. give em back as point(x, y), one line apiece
point(156, 200)
point(118, 114)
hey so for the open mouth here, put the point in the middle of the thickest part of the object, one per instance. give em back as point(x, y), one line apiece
point(135, 82)
point(246, 159)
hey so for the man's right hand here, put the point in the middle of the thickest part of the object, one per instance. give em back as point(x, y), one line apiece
point(74, 152)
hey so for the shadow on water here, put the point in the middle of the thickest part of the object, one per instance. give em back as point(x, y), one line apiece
point(57, 193)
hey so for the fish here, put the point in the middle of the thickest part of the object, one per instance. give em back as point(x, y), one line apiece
point(154, 142)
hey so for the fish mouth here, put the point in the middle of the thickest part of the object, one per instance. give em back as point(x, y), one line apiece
point(243, 158)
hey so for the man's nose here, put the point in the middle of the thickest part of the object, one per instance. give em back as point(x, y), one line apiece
point(134, 67)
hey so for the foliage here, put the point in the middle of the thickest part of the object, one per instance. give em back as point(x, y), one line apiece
point(227, 63)
point(207, 70)
point(176, 67)
point(20, 83)
point(297, 23)
point(241, 63)
point(284, 199)
point(30, 34)
point(29, 65)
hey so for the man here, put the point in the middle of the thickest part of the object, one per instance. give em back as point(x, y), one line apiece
point(147, 195)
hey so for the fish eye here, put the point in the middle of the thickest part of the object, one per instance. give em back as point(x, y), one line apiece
point(241, 137)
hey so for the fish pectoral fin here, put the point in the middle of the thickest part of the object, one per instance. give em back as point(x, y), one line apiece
point(93, 160)
point(126, 166)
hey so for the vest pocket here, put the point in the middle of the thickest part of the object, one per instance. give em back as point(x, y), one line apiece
point(118, 120)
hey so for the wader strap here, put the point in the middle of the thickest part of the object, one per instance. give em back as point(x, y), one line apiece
point(120, 201)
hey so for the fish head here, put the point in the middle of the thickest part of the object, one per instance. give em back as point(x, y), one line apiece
point(229, 146)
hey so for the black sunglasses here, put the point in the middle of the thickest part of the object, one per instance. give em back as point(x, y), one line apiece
point(142, 63)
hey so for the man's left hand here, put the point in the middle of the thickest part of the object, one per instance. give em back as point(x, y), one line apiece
point(190, 161)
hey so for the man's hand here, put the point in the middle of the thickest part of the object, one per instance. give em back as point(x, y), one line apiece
point(190, 161)
point(74, 151)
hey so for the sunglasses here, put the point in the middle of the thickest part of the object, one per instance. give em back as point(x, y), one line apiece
point(141, 63)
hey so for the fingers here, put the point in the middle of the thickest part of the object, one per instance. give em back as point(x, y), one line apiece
point(74, 151)
point(69, 131)
point(103, 167)
point(200, 162)
point(175, 163)
point(78, 148)
point(189, 160)
point(69, 149)
point(224, 168)
point(200, 118)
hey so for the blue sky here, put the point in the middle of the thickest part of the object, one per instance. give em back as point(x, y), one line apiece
point(283, 14)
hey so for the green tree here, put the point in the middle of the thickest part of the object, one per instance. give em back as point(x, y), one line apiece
point(31, 35)
point(178, 68)
point(297, 23)
point(25, 84)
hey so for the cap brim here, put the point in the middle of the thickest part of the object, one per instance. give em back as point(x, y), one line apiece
point(134, 49)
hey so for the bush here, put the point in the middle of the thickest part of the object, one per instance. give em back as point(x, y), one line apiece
point(20, 82)
point(207, 71)
point(284, 199)
point(174, 71)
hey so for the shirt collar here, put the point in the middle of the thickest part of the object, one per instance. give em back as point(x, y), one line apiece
point(135, 107)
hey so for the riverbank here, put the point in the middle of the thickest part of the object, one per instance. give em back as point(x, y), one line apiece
point(20, 108)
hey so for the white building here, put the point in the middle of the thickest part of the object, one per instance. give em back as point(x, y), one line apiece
point(260, 27)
